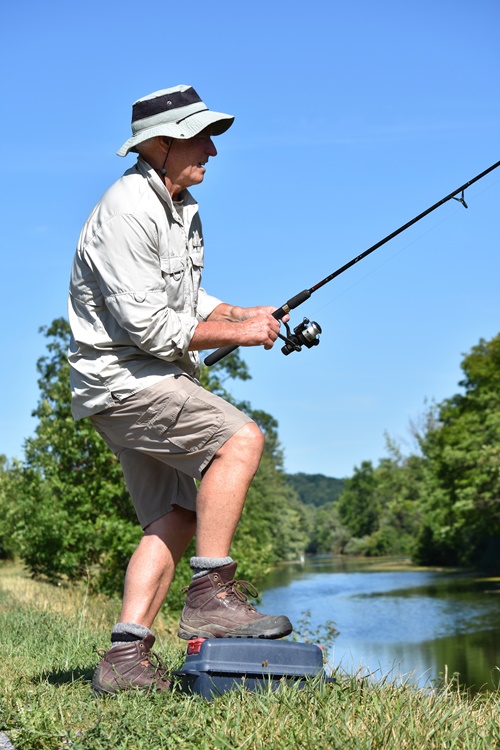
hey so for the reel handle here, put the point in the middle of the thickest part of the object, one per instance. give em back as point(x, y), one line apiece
point(292, 303)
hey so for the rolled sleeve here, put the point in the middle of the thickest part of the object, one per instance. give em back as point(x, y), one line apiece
point(125, 261)
point(151, 326)
point(206, 304)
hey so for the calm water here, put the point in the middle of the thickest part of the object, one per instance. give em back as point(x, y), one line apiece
point(411, 625)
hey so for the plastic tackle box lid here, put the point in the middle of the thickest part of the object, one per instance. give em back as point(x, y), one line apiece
point(255, 656)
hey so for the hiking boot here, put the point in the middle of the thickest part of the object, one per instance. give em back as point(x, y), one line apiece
point(216, 607)
point(130, 666)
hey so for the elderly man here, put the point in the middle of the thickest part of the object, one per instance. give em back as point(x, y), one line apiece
point(139, 317)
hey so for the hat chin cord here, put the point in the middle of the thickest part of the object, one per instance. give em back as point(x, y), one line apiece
point(163, 171)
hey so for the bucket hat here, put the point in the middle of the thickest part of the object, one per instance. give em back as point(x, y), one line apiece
point(177, 112)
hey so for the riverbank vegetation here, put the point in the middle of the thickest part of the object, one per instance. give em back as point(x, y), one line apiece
point(64, 509)
point(48, 638)
point(441, 503)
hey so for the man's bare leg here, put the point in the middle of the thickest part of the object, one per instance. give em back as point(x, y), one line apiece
point(223, 490)
point(152, 566)
point(220, 501)
point(213, 607)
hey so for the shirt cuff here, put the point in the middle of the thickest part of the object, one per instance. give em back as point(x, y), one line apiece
point(206, 304)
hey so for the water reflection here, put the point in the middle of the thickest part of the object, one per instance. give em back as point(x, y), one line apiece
point(413, 624)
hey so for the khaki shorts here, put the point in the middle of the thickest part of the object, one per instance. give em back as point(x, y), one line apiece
point(165, 436)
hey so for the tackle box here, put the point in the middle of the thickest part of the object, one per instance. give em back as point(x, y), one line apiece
point(215, 665)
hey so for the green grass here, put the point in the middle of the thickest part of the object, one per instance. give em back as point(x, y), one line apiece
point(48, 637)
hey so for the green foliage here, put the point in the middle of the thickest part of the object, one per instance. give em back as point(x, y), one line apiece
point(381, 505)
point(357, 506)
point(67, 512)
point(73, 515)
point(328, 534)
point(65, 509)
point(461, 444)
point(442, 505)
point(9, 491)
point(315, 489)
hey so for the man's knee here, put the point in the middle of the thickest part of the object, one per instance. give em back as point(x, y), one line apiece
point(247, 441)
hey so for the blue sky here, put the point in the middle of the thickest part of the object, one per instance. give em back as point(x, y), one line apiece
point(351, 118)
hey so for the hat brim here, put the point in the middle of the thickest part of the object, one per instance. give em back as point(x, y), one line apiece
point(184, 129)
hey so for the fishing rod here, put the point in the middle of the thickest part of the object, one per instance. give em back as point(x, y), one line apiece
point(306, 333)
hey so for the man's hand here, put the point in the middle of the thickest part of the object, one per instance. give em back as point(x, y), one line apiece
point(239, 326)
point(258, 328)
point(244, 313)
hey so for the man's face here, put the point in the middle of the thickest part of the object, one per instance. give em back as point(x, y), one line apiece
point(186, 161)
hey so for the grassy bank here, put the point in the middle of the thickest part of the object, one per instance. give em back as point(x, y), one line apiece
point(48, 637)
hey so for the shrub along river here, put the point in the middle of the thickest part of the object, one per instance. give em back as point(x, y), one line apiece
point(395, 621)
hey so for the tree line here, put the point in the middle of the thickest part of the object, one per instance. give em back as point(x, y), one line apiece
point(440, 504)
point(65, 511)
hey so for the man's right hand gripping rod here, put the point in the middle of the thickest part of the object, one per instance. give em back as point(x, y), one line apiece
point(280, 313)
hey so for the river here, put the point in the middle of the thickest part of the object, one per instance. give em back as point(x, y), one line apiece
point(394, 621)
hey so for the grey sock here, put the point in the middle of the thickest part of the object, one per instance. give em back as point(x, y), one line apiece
point(201, 566)
point(127, 632)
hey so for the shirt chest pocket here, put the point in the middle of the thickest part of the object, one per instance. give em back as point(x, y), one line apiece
point(196, 261)
point(173, 271)
point(195, 250)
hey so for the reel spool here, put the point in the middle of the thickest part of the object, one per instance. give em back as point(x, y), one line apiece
point(305, 334)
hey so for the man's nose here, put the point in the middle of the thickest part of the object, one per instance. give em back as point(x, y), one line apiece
point(210, 148)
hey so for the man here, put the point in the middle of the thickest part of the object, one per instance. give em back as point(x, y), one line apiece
point(139, 317)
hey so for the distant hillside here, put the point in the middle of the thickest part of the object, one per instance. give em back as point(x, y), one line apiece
point(315, 489)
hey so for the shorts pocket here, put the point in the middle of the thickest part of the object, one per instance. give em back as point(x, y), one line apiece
point(185, 421)
point(163, 413)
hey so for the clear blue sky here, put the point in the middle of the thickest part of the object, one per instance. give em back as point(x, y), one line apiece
point(351, 118)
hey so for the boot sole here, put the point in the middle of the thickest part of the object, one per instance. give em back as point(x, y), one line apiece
point(186, 632)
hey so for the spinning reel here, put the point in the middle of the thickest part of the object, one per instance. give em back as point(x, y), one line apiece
point(305, 334)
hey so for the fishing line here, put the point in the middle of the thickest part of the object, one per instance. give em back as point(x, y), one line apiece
point(385, 262)
point(307, 333)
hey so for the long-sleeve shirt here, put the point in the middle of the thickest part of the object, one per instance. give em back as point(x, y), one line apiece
point(135, 296)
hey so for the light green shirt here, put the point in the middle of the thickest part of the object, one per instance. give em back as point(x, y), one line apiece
point(135, 296)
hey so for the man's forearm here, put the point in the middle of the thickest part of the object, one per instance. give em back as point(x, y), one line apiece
point(227, 313)
point(211, 334)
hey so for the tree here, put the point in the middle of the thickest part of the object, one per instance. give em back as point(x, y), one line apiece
point(329, 536)
point(357, 505)
point(71, 515)
point(461, 509)
point(398, 482)
point(9, 488)
point(315, 489)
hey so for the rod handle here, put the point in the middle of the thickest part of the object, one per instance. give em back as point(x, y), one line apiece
point(219, 354)
point(279, 313)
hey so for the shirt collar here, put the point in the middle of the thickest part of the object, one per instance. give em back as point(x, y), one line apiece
point(159, 186)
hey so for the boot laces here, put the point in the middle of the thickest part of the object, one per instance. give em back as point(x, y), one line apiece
point(155, 665)
point(240, 590)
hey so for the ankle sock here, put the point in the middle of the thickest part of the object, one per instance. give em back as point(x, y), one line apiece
point(201, 566)
point(128, 632)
